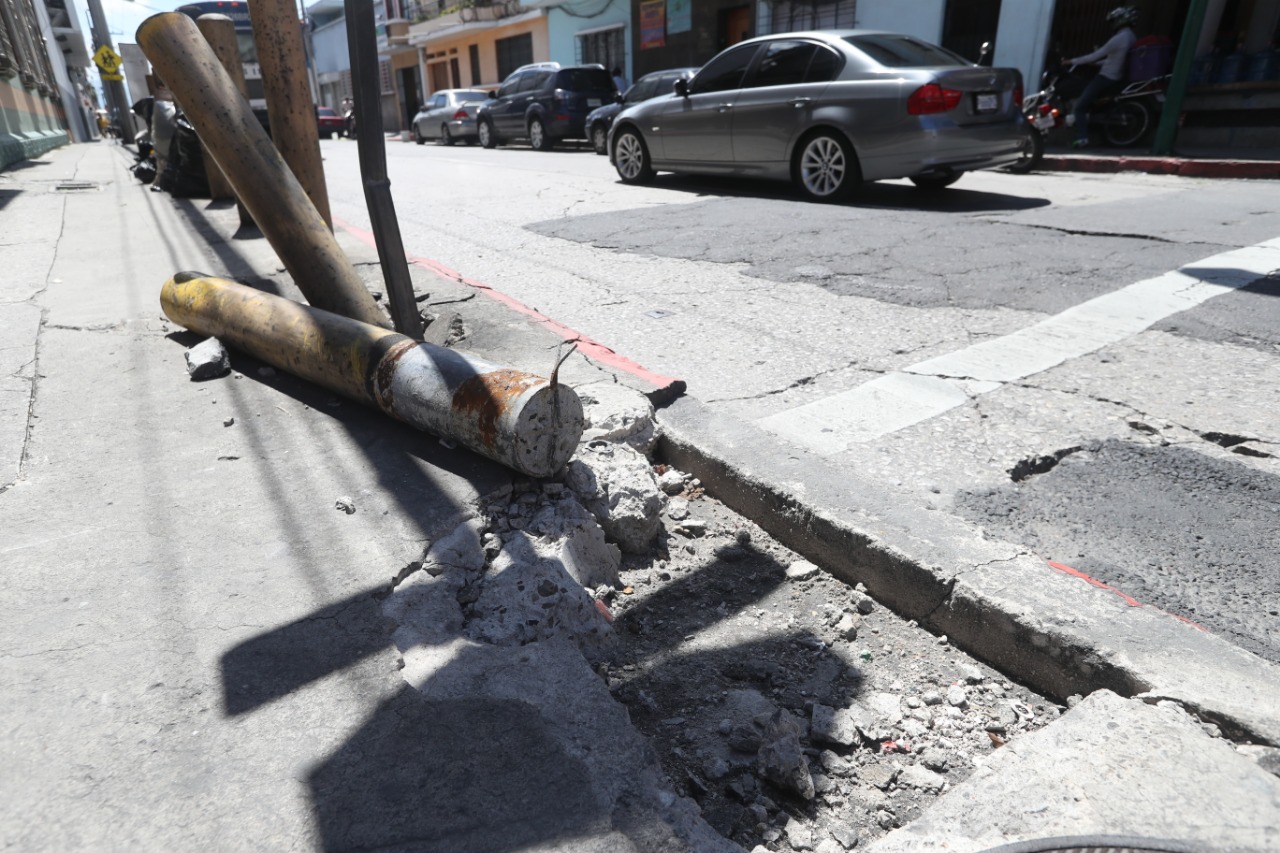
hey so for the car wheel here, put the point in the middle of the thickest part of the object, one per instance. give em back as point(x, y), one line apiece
point(417, 135)
point(1031, 155)
point(600, 139)
point(934, 183)
point(446, 138)
point(825, 168)
point(631, 158)
point(539, 139)
point(488, 138)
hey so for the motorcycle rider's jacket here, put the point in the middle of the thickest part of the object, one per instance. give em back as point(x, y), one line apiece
point(1112, 55)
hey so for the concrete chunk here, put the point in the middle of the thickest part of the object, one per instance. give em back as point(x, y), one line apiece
point(1163, 777)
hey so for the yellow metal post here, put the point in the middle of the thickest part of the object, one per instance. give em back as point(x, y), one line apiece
point(220, 32)
point(524, 421)
point(258, 174)
point(277, 34)
point(209, 26)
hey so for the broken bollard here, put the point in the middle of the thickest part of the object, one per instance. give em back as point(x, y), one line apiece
point(524, 421)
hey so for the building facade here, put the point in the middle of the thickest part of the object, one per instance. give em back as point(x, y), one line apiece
point(45, 98)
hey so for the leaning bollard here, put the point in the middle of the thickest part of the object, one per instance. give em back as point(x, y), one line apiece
point(524, 421)
point(277, 34)
point(257, 172)
point(220, 32)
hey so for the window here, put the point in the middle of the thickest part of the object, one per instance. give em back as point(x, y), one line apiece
point(643, 90)
point(895, 51)
point(473, 53)
point(532, 81)
point(439, 102)
point(724, 72)
point(824, 66)
point(584, 79)
point(512, 84)
point(784, 63)
point(606, 47)
point(790, 16)
point(514, 52)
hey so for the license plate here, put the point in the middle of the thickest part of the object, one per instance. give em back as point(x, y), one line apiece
point(988, 102)
point(1044, 122)
point(593, 102)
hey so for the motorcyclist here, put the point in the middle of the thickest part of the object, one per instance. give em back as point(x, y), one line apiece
point(1111, 56)
point(348, 111)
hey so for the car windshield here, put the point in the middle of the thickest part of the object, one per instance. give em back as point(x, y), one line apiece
point(895, 51)
point(584, 79)
point(470, 97)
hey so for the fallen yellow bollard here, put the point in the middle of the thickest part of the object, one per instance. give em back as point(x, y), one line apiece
point(521, 420)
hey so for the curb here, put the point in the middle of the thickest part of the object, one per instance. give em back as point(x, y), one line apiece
point(1180, 166)
point(1058, 631)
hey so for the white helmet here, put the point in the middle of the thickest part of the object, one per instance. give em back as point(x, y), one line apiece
point(1122, 16)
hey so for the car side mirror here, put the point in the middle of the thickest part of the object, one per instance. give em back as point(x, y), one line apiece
point(682, 88)
point(493, 94)
point(617, 98)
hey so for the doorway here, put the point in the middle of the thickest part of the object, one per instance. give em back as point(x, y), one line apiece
point(410, 86)
point(735, 25)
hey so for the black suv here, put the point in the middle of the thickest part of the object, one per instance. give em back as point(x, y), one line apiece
point(544, 103)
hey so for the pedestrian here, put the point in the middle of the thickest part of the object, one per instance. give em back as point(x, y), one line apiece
point(1112, 57)
point(619, 81)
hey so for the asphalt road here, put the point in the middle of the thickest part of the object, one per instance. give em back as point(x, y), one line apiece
point(1017, 350)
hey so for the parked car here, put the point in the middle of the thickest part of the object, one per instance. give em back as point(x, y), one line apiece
point(329, 123)
point(450, 115)
point(544, 103)
point(828, 110)
point(649, 86)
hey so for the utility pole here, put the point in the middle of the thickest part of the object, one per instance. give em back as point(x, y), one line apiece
point(112, 89)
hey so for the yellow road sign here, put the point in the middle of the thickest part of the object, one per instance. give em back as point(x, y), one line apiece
point(107, 60)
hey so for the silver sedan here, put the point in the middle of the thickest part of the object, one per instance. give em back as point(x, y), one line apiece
point(828, 110)
point(449, 116)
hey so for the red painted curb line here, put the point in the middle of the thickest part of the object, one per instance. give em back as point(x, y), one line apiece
point(589, 347)
point(1128, 599)
point(1256, 169)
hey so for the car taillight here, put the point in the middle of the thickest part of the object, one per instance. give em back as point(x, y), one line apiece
point(932, 98)
point(1017, 95)
point(460, 115)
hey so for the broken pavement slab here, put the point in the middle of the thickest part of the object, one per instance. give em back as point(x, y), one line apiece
point(1108, 767)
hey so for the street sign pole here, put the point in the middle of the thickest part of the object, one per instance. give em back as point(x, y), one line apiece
point(117, 102)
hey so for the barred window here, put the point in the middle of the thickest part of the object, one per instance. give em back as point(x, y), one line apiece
point(789, 16)
point(513, 52)
point(606, 47)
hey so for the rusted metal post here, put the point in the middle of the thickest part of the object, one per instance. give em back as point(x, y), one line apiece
point(277, 33)
point(213, 27)
point(255, 168)
point(220, 32)
point(362, 47)
point(524, 421)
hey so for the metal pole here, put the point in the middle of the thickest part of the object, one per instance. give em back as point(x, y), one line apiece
point(524, 421)
point(214, 29)
point(363, 48)
point(114, 89)
point(255, 168)
point(1167, 131)
point(220, 32)
point(277, 34)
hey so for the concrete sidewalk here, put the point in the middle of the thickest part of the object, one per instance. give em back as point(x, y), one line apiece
point(199, 654)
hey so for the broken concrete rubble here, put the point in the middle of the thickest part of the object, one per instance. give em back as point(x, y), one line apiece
point(618, 486)
point(616, 413)
point(208, 360)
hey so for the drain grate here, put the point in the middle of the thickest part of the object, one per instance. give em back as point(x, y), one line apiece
point(76, 187)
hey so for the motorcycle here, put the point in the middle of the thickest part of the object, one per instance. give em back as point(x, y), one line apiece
point(1124, 118)
point(1045, 111)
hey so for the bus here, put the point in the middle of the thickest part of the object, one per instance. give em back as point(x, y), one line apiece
point(238, 12)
